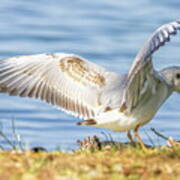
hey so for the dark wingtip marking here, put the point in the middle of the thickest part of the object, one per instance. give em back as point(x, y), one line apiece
point(87, 122)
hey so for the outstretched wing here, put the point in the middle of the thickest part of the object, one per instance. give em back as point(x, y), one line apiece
point(67, 81)
point(142, 79)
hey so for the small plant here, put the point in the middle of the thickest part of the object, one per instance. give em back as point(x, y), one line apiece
point(16, 143)
point(170, 141)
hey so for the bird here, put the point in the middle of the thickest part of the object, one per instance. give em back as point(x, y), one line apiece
point(99, 97)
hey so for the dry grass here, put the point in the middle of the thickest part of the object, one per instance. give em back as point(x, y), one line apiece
point(129, 163)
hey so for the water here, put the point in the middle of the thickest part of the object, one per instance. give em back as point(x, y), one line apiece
point(107, 32)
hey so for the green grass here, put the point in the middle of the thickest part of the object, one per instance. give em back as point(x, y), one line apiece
point(112, 164)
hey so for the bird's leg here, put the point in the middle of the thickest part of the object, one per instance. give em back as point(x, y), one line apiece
point(136, 134)
point(131, 138)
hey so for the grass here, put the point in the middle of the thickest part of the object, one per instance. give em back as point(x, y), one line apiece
point(94, 160)
point(112, 163)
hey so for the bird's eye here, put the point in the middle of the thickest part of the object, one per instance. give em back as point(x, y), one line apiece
point(178, 75)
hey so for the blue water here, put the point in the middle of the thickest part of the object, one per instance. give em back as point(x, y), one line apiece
point(107, 32)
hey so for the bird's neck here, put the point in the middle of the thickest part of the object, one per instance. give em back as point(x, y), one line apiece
point(167, 76)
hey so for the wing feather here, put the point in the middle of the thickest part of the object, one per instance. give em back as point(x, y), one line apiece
point(65, 80)
point(158, 39)
point(142, 78)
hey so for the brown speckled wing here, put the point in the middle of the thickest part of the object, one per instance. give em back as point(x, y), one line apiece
point(79, 71)
point(67, 81)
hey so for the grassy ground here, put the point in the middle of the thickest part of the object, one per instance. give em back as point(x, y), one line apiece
point(108, 163)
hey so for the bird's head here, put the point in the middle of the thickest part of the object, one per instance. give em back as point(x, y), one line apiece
point(172, 77)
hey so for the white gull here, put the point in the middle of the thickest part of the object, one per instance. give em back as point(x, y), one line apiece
point(100, 97)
